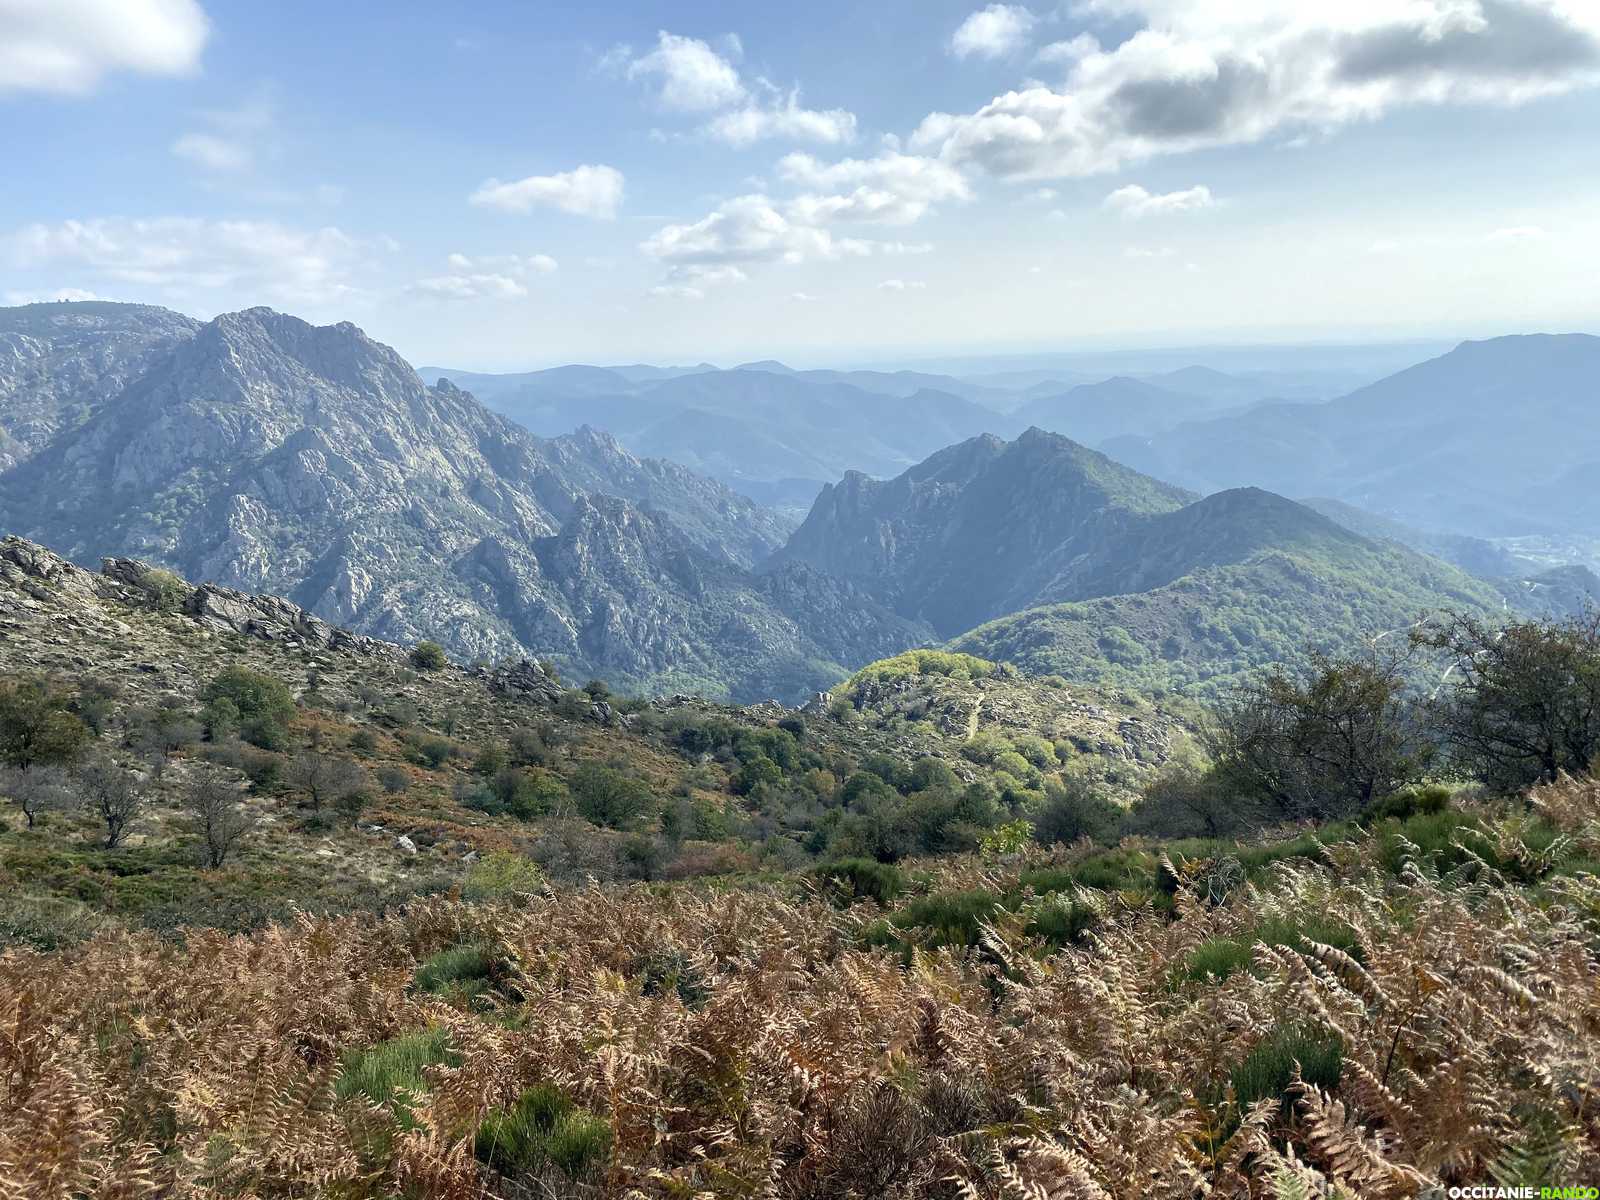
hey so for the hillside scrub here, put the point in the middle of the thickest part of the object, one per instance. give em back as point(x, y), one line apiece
point(1426, 1028)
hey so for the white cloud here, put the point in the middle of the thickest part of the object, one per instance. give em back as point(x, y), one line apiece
point(1072, 51)
point(993, 32)
point(587, 191)
point(1134, 201)
point(68, 46)
point(689, 281)
point(747, 229)
point(249, 261)
point(54, 297)
point(1201, 74)
point(212, 152)
point(692, 77)
point(901, 285)
point(787, 119)
point(802, 297)
point(1149, 252)
point(892, 188)
point(486, 277)
point(471, 287)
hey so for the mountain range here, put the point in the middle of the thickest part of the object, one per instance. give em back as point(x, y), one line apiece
point(269, 455)
point(777, 434)
point(1047, 554)
point(266, 454)
point(1496, 438)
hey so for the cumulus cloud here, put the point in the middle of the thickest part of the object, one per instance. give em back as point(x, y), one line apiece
point(993, 32)
point(1149, 252)
point(1201, 74)
point(890, 189)
point(587, 191)
point(901, 285)
point(689, 281)
point(485, 277)
point(68, 46)
point(250, 261)
point(689, 75)
point(784, 119)
point(747, 229)
point(1134, 201)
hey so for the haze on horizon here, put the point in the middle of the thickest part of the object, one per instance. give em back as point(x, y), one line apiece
point(902, 181)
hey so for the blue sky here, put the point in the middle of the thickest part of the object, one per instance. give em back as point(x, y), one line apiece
point(511, 185)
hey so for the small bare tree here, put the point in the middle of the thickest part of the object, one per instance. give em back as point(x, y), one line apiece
point(113, 794)
point(37, 789)
point(217, 811)
point(325, 778)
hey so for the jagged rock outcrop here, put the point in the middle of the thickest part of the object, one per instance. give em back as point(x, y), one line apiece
point(60, 362)
point(271, 457)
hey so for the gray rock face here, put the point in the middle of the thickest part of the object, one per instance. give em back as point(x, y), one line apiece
point(269, 456)
point(60, 362)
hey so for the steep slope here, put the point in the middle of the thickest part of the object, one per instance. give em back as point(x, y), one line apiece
point(1067, 562)
point(1495, 438)
point(60, 362)
point(270, 455)
point(979, 529)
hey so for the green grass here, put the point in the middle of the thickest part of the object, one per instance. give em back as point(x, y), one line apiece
point(543, 1128)
point(852, 879)
point(459, 968)
point(1218, 958)
point(951, 918)
point(390, 1072)
point(1268, 1070)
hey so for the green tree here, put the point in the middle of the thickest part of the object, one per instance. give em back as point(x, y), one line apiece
point(36, 727)
point(1324, 746)
point(606, 796)
point(429, 656)
point(1520, 703)
point(258, 707)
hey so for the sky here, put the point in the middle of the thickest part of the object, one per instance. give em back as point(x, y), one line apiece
point(502, 186)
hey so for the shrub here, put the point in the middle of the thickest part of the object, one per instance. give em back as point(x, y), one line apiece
point(951, 918)
point(257, 707)
point(759, 770)
point(35, 726)
point(163, 590)
point(1428, 798)
point(393, 779)
point(609, 797)
point(501, 875)
point(429, 656)
point(924, 662)
point(852, 879)
point(1062, 922)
